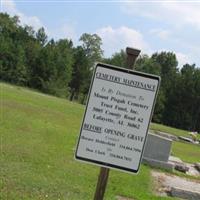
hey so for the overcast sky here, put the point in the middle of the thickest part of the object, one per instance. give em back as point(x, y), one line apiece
point(151, 26)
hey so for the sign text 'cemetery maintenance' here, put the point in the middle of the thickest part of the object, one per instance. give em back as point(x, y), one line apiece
point(117, 116)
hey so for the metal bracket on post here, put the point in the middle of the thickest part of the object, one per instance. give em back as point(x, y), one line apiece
point(132, 54)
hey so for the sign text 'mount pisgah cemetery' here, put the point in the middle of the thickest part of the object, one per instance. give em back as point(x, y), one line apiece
point(117, 116)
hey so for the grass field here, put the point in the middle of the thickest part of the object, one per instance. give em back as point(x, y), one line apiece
point(38, 135)
point(186, 152)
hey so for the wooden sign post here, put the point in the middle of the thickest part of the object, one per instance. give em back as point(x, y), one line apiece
point(132, 54)
point(101, 183)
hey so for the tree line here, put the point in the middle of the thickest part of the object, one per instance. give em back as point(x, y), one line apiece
point(28, 58)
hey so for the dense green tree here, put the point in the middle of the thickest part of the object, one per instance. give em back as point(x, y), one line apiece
point(51, 72)
point(167, 63)
point(168, 68)
point(189, 102)
point(148, 65)
point(12, 55)
point(63, 61)
point(80, 72)
point(19, 70)
point(41, 36)
point(196, 111)
point(117, 59)
point(91, 44)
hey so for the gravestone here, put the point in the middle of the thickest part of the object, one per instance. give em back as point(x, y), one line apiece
point(157, 148)
point(157, 151)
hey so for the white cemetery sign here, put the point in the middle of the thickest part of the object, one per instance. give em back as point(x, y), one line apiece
point(117, 116)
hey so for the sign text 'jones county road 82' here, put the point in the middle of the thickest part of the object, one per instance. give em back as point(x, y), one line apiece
point(117, 116)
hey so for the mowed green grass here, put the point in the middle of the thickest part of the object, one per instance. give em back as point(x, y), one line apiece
point(38, 136)
point(186, 152)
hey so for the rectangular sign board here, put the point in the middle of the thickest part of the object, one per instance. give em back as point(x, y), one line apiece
point(117, 117)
